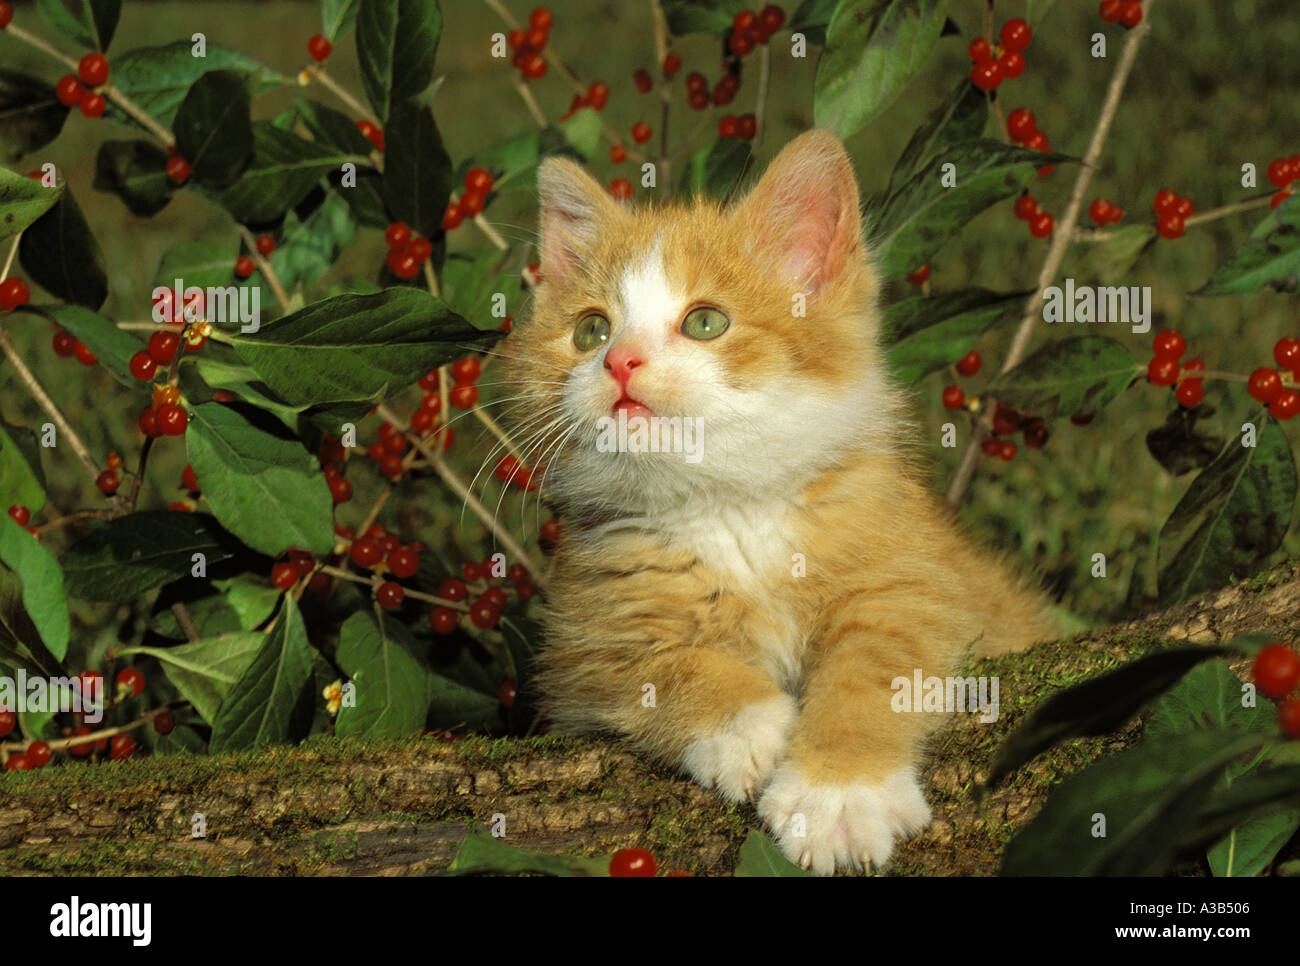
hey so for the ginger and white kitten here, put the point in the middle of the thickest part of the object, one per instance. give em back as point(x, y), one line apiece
point(742, 614)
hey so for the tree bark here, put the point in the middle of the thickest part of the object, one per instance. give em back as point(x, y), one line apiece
point(332, 807)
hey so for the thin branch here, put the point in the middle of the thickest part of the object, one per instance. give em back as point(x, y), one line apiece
point(1213, 214)
point(185, 620)
point(317, 72)
point(73, 518)
point(760, 105)
point(264, 266)
point(664, 163)
point(534, 108)
point(139, 473)
point(9, 259)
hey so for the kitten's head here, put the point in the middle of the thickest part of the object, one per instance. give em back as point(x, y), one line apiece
point(755, 321)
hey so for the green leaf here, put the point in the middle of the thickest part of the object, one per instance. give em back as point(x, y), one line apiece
point(43, 595)
point(113, 347)
point(1075, 375)
point(576, 137)
point(1254, 814)
point(397, 44)
point(20, 641)
point(1211, 694)
point(925, 333)
point(61, 255)
point(469, 281)
point(417, 169)
point(259, 708)
point(1179, 446)
point(135, 171)
point(285, 168)
point(308, 249)
point(1270, 258)
point(91, 23)
point(337, 17)
point(200, 264)
point(873, 50)
point(230, 605)
point(1035, 10)
point(760, 857)
point(131, 555)
point(23, 201)
point(922, 215)
point(701, 16)
point(21, 479)
point(357, 348)
point(157, 79)
point(333, 129)
point(481, 854)
point(205, 670)
point(243, 382)
point(1098, 706)
point(962, 116)
point(262, 486)
point(715, 169)
point(391, 696)
point(1234, 514)
point(811, 20)
point(214, 132)
point(30, 118)
point(1116, 255)
point(1148, 794)
point(581, 131)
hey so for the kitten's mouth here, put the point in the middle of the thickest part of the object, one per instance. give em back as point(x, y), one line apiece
point(633, 408)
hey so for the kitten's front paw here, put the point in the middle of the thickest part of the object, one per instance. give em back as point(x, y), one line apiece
point(822, 827)
point(738, 758)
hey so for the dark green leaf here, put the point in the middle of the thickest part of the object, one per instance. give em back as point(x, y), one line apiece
point(1097, 706)
point(873, 50)
point(961, 117)
point(59, 253)
point(391, 694)
point(517, 156)
point(470, 280)
point(701, 16)
point(1179, 446)
point(397, 43)
point(760, 857)
point(284, 170)
point(1148, 795)
point(205, 670)
point(214, 132)
point(1075, 375)
point(337, 17)
point(20, 642)
point(1270, 258)
point(716, 169)
point(357, 348)
point(91, 23)
point(30, 117)
point(1257, 812)
point(481, 854)
point(200, 264)
point(333, 129)
point(43, 595)
point(132, 555)
point(263, 487)
point(21, 481)
point(811, 19)
point(1234, 514)
point(23, 202)
point(112, 346)
point(925, 333)
point(226, 606)
point(1035, 10)
point(308, 249)
point(259, 708)
point(417, 169)
point(135, 171)
point(1117, 254)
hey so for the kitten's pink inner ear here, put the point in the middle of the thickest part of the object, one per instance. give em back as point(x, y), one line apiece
point(804, 212)
point(573, 205)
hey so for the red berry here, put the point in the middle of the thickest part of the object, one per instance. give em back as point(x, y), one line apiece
point(420, 250)
point(1110, 10)
point(340, 489)
point(64, 344)
point(452, 589)
point(463, 396)
point(1130, 14)
point(632, 862)
point(244, 266)
point(986, 75)
point(403, 562)
point(771, 19)
point(1264, 384)
point(365, 552)
point(496, 597)
point(390, 595)
point(980, 50)
point(1165, 202)
point(1279, 173)
point(1037, 142)
point(113, 461)
point(121, 747)
point(403, 264)
point(747, 126)
point(471, 203)
point(7, 722)
point(1190, 392)
point(598, 95)
point(38, 754)
point(921, 275)
point(1287, 353)
point(164, 722)
point(18, 762)
point(283, 575)
point(970, 363)
point(541, 19)
point(1184, 209)
point(13, 293)
point(641, 132)
point(1012, 64)
point(618, 154)
point(93, 105)
point(1041, 225)
point(1276, 670)
point(93, 69)
point(1285, 405)
point(534, 66)
point(1170, 345)
point(517, 574)
point(1026, 207)
point(1162, 371)
point(729, 127)
point(20, 515)
point(452, 217)
point(1278, 198)
point(319, 48)
point(443, 620)
point(142, 366)
point(1288, 717)
point(1021, 123)
point(188, 480)
point(1100, 211)
point(1006, 450)
point(1171, 227)
point(506, 693)
point(672, 64)
point(178, 170)
point(478, 179)
point(148, 422)
point(466, 369)
point(107, 482)
point(163, 345)
point(6, 15)
point(740, 44)
point(84, 355)
point(953, 397)
point(535, 39)
point(131, 679)
point(69, 90)
point(1035, 433)
point(172, 419)
point(1016, 34)
point(483, 614)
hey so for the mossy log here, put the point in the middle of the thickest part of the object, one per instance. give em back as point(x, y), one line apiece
point(336, 807)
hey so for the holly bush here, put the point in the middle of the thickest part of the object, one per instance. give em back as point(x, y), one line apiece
point(350, 541)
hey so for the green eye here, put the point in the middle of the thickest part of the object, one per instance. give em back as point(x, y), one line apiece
point(592, 332)
point(704, 324)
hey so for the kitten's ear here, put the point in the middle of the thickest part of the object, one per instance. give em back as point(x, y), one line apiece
point(803, 213)
point(573, 205)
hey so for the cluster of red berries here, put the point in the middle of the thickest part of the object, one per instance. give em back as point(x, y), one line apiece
point(1172, 211)
point(968, 365)
point(21, 515)
point(292, 566)
point(478, 184)
point(1266, 384)
point(1022, 128)
point(990, 65)
point(1104, 212)
point(78, 90)
point(13, 293)
point(1040, 223)
point(1127, 12)
point(245, 266)
point(510, 469)
point(1007, 421)
point(406, 250)
point(1282, 173)
point(1277, 674)
point(529, 44)
point(641, 77)
point(743, 126)
point(111, 478)
point(163, 345)
point(66, 347)
point(333, 462)
point(486, 606)
point(381, 552)
point(1164, 369)
point(597, 96)
point(164, 416)
point(750, 30)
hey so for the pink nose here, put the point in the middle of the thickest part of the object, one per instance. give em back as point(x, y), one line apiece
point(620, 361)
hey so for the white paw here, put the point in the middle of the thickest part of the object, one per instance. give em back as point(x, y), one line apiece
point(738, 758)
point(825, 827)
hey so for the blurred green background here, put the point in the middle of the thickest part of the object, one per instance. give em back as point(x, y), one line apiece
point(1215, 87)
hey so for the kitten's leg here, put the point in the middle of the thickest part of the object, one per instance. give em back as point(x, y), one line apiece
point(847, 788)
